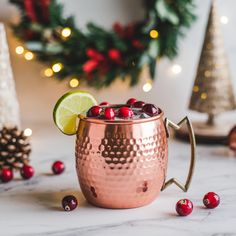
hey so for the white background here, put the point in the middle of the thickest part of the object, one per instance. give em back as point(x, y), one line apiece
point(171, 92)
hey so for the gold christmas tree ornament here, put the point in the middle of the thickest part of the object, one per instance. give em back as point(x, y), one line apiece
point(212, 92)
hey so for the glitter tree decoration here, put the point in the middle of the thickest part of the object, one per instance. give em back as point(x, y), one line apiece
point(212, 90)
point(9, 107)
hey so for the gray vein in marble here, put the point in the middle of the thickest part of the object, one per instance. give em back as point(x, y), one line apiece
point(101, 229)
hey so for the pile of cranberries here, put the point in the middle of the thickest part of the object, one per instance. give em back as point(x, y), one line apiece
point(27, 171)
point(130, 110)
point(6, 174)
point(184, 207)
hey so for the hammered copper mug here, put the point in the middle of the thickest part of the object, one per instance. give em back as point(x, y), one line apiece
point(123, 163)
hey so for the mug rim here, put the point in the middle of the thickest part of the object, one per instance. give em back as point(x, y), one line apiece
point(127, 122)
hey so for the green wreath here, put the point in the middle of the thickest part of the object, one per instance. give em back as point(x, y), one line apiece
point(99, 56)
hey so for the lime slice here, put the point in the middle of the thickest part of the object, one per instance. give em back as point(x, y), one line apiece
point(68, 107)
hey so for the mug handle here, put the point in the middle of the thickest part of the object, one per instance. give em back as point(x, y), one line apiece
point(168, 124)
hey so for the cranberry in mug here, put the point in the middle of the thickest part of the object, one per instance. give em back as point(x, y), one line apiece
point(123, 111)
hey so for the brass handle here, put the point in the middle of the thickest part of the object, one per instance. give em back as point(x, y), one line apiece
point(168, 123)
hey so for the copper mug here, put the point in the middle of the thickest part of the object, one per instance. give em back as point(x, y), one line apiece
point(123, 164)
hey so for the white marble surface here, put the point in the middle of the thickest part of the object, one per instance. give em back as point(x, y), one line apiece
point(33, 207)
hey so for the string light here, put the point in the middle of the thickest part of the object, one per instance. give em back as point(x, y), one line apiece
point(154, 34)
point(29, 56)
point(203, 96)
point(48, 72)
point(195, 88)
point(57, 67)
point(28, 132)
point(176, 69)
point(19, 50)
point(147, 87)
point(66, 32)
point(224, 20)
point(207, 73)
point(209, 46)
point(217, 66)
point(74, 83)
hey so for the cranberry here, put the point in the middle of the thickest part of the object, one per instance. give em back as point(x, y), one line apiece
point(184, 207)
point(125, 112)
point(232, 139)
point(109, 113)
point(150, 109)
point(69, 203)
point(27, 172)
point(104, 104)
point(58, 167)
point(94, 111)
point(139, 104)
point(131, 101)
point(6, 175)
point(211, 200)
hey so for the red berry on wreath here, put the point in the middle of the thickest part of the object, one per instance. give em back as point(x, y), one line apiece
point(125, 112)
point(184, 207)
point(94, 54)
point(114, 54)
point(109, 113)
point(211, 200)
point(129, 30)
point(139, 104)
point(104, 104)
point(137, 44)
point(94, 111)
point(69, 203)
point(90, 66)
point(58, 167)
point(150, 109)
point(131, 101)
point(118, 28)
point(6, 175)
point(27, 172)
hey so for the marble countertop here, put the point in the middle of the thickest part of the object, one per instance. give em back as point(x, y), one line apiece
point(33, 207)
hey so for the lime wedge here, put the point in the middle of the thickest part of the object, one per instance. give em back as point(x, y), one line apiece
point(68, 107)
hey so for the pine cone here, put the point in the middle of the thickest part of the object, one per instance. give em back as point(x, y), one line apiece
point(14, 148)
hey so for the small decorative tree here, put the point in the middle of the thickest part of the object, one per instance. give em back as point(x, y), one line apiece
point(9, 107)
point(212, 90)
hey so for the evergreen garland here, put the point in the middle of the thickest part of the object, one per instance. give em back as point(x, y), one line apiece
point(99, 56)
